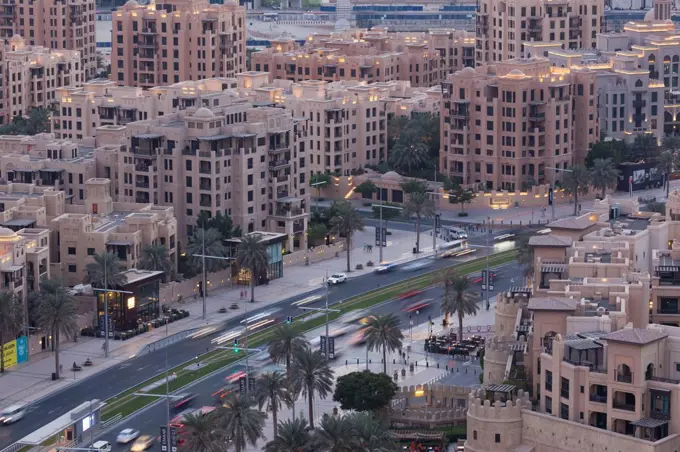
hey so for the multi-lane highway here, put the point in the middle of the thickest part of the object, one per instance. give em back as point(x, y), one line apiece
point(127, 374)
point(155, 416)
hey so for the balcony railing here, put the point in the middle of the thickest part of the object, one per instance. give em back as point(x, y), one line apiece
point(624, 378)
point(623, 406)
point(598, 398)
point(564, 393)
point(665, 380)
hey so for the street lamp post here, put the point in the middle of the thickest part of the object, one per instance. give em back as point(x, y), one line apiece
point(205, 273)
point(552, 187)
point(434, 227)
point(318, 185)
point(410, 327)
point(381, 206)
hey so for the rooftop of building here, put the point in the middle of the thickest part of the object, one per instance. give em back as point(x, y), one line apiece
point(551, 240)
point(637, 336)
point(552, 304)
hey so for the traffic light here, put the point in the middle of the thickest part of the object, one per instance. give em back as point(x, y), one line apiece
point(236, 350)
point(289, 319)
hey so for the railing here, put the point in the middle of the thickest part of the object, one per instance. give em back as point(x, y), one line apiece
point(623, 406)
point(624, 378)
point(564, 393)
point(598, 398)
point(665, 380)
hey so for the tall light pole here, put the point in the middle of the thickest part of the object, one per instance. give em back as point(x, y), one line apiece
point(552, 188)
point(205, 273)
point(106, 306)
point(318, 185)
point(434, 227)
point(380, 207)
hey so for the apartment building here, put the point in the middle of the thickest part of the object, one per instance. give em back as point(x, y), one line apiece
point(54, 24)
point(424, 59)
point(502, 125)
point(503, 27)
point(32, 76)
point(175, 41)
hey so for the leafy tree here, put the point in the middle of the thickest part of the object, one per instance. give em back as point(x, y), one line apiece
point(658, 207)
point(272, 391)
point(184, 266)
point(271, 3)
point(214, 246)
point(320, 177)
point(156, 258)
point(645, 147)
point(37, 121)
point(671, 143)
point(421, 206)
point(462, 196)
point(223, 223)
point(203, 433)
point(414, 186)
point(371, 434)
point(252, 254)
point(241, 421)
point(383, 332)
point(366, 189)
point(364, 391)
point(577, 181)
point(461, 302)
point(604, 174)
point(286, 342)
point(665, 165)
point(311, 374)
point(292, 436)
point(346, 222)
point(105, 271)
point(58, 314)
point(616, 150)
point(10, 321)
point(316, 233)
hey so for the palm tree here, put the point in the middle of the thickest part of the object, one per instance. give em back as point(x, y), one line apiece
point(58, 314)
point(462, 302)
point(346, 222)
point(203, 433)
point(577, 181)
point(155, 258)
point(285, 342)
point(371, 434)
point(213, 247)
point(293, 436)
point(311, 374)
point(252, 254)
point(105, 270)
point(272, 390)
point(420, 205)
point(383, 332)
point(645, 146)
point(406, 157)
point(335, 434)
point(10, 321)
point(671, 143)
point(445, 277)
point(604, 174)
point(525, 256)
point(665, 167)
point(241, 421)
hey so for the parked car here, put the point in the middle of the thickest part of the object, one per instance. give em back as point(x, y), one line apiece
point(337, 278)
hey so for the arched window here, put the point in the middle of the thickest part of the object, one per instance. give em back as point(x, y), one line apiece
point(638, 83)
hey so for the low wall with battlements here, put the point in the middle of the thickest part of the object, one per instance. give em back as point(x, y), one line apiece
point(430, 405)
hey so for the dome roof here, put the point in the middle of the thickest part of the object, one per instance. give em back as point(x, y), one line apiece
point(16, 38)
point(203, 112)
point(392, 175)
point(130, 4)
point(468, 71)
point(6, 232)
point(650, 15)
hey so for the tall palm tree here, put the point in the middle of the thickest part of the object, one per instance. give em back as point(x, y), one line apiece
point(105, 270)
point(156, 258)
point(665, 167)
point(58, 314)
point(603, 174)
point(311, 374)
point(272, 391)
point(293, 436)
point(445, 277)
point(241, 421)
point(285, 342)
point(421, 206)
point(213, 247)
point(409, 156)
point(383, 332)
point(252, 254)
point(462, 302)
point(346, 222)
point(10, 321)
point(577, 181)
point(335, 434)
point(203, 433)
point(371, 434)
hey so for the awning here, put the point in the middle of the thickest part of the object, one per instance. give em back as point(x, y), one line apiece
point(148, 136)
point(520, 289)
point(499, 388)
point(22, 170)
point(518, 347)
point(214, 137)
point(52, 170)
point(12, 268)
point(119, 243)
point(553, 268)
point(583, 344)
point(243, 135)
point(288, 199)
point(649, 422)
point(667, 268)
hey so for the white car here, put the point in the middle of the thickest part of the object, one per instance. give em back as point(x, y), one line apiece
point(337, 278)
point(11, 414)
point(127, 435)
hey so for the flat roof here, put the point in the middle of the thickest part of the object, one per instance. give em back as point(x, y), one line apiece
point(61, 423)
point(135, 275)
point(22, 223)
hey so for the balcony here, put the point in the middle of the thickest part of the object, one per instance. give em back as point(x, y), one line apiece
point(623, 406)
point(141, 184)
point(278, 164)
point(283, 147)
point(598, 398)
point(146, 168)
point(289, 213)
point(536, 115)
point(665, 380)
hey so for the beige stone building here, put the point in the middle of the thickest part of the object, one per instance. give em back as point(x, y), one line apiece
point(54, 24)
point(503, 125)
point(32, 76)
point(503, 28)
point(424, 59)
point(175, 40)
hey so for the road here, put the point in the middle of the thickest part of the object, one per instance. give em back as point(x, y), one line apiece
point(129, 373)
point(152, 418)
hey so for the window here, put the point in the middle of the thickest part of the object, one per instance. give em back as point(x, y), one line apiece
point(548, 405)
point(564, 411)
point(72, 269)
point(497, 438)
point(474, 435)
point(71, 251)
point(548, 380)
point(564, 388)
point(90, 251)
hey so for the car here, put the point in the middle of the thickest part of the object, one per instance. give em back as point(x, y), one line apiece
point(337, 278)
point(102, 446)
point(418, 265)
point(142, 443)
point(11, 414)
point(182, 401)
point(385, 267)
point(127, 435)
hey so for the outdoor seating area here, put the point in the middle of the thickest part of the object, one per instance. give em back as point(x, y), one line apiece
point(420, 441)
point(449, 345)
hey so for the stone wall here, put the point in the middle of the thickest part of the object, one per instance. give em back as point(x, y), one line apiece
point(316, 254)
point(439, 405)
point(495, 427)
point(172, 292)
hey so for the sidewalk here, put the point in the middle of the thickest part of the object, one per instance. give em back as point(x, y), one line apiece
point(31, 381)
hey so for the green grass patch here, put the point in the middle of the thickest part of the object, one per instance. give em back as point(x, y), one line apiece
point(127, 403)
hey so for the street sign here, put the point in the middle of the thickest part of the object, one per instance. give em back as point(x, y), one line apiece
point(322, 345)
point(487, 280)
point(173, 439)
point(437, 223)
point(550, 196)
point(164, 438)
point(381, 232)
point(102, 328)
point(242, 384)
point(331, 346)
